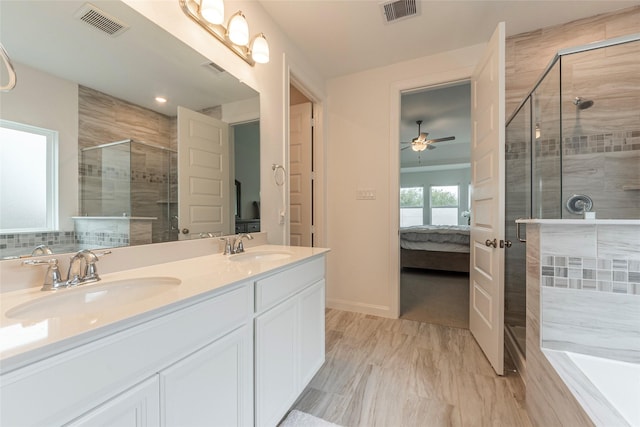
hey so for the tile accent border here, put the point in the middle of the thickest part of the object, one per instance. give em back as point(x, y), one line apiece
point(620, 276)
point(18, 244)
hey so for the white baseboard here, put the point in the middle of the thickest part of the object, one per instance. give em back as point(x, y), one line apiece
point(359, 307)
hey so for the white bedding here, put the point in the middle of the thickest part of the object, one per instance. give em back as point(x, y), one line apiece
point(443, 238)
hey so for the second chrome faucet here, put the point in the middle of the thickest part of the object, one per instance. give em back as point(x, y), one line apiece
point(233, 244)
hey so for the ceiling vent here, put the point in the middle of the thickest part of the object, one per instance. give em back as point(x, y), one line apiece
point(214, 67)
point(399, 9)
point(101, 20)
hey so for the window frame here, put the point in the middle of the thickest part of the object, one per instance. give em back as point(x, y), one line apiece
point(432, 207)
point(422, 207)
point(51, 164)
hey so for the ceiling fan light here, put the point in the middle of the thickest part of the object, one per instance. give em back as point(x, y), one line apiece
point(212, 11)
point(238, 29)
point(418, 146)
point(260, 49)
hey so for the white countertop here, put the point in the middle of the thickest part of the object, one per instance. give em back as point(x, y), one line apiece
point(25, 341)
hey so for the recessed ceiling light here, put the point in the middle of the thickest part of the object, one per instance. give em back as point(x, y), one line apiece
point(161, 99)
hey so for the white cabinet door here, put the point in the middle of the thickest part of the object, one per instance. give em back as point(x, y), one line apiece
point(276, 362)
point(136, 407)
point(311, 314)
point(213, 386)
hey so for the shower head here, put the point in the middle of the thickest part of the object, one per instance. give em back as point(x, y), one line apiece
point(582, 104)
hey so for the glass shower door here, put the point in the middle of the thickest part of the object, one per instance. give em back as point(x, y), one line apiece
point(517, 205)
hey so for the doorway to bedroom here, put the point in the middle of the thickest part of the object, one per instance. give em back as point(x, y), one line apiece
point(435, 176)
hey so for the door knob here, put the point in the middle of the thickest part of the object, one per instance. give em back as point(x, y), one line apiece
point(491, 243)
point(185, 231)
point(505, 243)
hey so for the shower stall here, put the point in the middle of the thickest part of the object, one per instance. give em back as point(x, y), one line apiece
point(572, 151)
point(131, 179)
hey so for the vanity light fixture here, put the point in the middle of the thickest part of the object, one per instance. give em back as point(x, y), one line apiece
point(212, 11)
point(209, 14)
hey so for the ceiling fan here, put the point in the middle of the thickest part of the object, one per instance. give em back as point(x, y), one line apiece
point(421, 142)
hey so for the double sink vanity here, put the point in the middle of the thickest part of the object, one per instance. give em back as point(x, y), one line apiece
point(208, 340)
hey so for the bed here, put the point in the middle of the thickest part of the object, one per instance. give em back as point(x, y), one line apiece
point(435, 247)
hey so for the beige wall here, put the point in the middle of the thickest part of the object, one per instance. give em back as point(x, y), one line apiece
point(358, 117)
point(270, 80)
point(46, 101)
point(362, 272)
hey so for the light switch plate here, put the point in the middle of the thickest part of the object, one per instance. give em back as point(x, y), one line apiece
point(365, 194)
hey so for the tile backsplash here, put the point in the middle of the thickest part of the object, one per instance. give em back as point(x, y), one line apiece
point(591, 274)
point(17, 244)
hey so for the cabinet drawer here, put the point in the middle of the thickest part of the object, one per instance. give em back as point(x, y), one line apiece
point(253, 227)
point(273, 289)
point(71, 383)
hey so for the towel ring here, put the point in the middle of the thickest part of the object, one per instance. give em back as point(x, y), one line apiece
point(279, 178)
point(9, 66)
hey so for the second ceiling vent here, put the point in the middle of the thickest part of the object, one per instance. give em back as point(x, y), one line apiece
point(101, 20)
point(399, 9)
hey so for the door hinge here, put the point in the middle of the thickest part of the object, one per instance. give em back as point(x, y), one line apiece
point(313, 121)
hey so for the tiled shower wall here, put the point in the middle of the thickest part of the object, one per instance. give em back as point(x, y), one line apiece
point(528, 54)
point(104, 119)
point(590, 289)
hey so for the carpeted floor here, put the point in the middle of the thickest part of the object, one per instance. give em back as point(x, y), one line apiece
point(437, 297)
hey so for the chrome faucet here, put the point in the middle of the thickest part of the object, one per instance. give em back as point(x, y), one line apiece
point(233, 244)
point(238, 246)
point(41, 250)
point(53, 279)
point(82, 269)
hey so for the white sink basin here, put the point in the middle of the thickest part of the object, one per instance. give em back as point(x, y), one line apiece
point(92, 298)
point(261, 256)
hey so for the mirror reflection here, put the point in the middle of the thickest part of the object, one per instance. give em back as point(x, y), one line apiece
point(134, 136)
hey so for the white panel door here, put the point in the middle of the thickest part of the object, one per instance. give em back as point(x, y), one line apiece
point(203, 168)
point(486, 319)
point(300, 167)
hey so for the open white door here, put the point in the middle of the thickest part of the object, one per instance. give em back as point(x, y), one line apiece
point(486, 277)
point(300, 199)
point(203, 165)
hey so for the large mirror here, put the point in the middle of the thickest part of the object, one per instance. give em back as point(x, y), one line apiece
point(91, 158)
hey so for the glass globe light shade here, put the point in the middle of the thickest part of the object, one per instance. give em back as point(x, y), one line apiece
point(260, 49)
point(238, 29)
point(212, 11)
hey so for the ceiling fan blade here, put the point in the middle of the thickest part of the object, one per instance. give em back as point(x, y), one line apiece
point(431, 147)
point(448, 138)
point(404, 148)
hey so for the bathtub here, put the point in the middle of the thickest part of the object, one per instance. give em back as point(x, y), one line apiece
point(618, 382)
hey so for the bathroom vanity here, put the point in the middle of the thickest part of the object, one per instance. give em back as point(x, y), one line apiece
point(228, 340)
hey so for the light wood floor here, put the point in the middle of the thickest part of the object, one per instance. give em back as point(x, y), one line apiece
point(397, 373)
